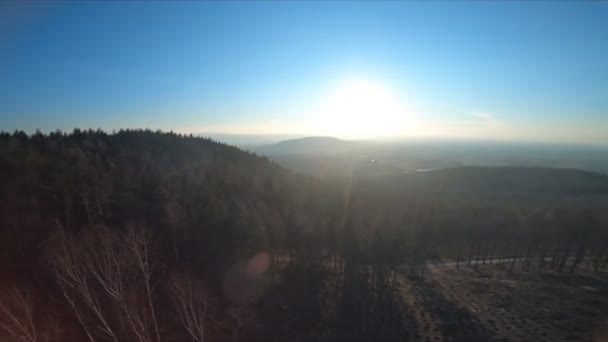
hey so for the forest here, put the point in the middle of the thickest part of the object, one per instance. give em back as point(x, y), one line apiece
point(140, 235)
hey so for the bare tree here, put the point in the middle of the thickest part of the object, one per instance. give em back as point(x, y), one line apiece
point(71, 273)
point(109, 264)
point(192, 304)
point(241, 317)
point(139, 242)
point(107, 280)
point(18, 316)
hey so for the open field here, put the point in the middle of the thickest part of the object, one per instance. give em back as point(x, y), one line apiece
point(446, 304)
point(487, 303)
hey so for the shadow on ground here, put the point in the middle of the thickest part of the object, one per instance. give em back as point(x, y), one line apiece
point(454, 322)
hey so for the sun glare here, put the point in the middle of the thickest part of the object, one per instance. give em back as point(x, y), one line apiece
point(361, 109)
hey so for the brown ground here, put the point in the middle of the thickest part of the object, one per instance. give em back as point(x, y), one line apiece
point(446, 304)
point(489, 304)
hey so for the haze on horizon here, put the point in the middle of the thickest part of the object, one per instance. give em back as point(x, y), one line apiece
point(517, 71)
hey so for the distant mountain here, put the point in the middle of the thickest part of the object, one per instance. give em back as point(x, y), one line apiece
point(248, 140)
point(308, 146)
point(316, 155)
point(461, 169)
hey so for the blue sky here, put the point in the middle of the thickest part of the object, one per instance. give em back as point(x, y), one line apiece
point(504, 70)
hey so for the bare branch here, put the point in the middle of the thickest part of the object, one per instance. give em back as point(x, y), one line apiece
point(18, 316)
point(71, 272)
point(192, 304)
point(139, 242)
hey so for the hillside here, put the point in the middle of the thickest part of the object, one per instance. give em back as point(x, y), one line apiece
point(195, 192)
point(307, 146)
point(323, 156)
point(505, 182)
point(198, 210)
point(402, 166)
point(150, 236)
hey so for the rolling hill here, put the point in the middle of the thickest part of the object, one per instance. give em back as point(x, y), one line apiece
point(325, 156)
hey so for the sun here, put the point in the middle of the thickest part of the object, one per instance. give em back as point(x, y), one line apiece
point(362, 109)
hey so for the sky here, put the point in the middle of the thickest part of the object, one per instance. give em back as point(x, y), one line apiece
point(521, 71)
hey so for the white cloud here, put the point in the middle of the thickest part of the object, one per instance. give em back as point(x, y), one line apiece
point(482, 116)
point(488, 120)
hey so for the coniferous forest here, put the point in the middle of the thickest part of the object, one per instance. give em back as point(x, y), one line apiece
point(139, 235)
